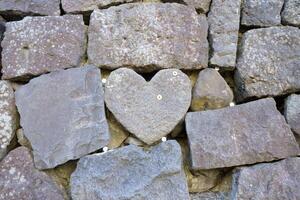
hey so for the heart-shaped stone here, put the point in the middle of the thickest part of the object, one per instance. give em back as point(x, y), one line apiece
point(149, 110)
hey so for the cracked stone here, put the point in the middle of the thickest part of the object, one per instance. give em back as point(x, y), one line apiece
point(244, 134)
point(74, 124)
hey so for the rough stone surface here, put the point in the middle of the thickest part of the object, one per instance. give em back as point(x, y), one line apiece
point(62, 114)
point(8, 116)
point(149, 110)
point(20, 180)
point(243, 134)
point(2, 30)
point(270, 181)
point(22, 140)
point(134, 141)
point(292, 112)
point(269, 62)
point(82, 6)
point(131, 173)
point(211, 91)
point(224, 22)
point(200, 5)
point(36, 45)
point(21, 8)
point(261, 12)
point(163, 36)
point(210, 196)
point(291, 12)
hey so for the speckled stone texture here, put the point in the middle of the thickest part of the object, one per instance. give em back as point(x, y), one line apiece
point(62, 114)
point(8, 116)
point(210, 196)
point(163, 35)
point(131, 173)
point(291, 13)
point(261, 12)
point(36, 45)
point(269, 62)
point(201, 6)
point(21, 8)
point(149, 110)
point(292, 112)
point(269, 181)
point(224, 23)
point(20, 180)
point(244, 134)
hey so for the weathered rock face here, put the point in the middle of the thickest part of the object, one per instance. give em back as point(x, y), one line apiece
point(270, 181)
point(8, 116)
point(261, 12)
point(131, 173)
point(57, 42)
point(211, 91)
point(149, 110)
point(224, 23)
point(20, 180)
point(81, 6)
point(202, 6)
point(292, 112)
point(62, 114)
point(163, 36)
point(291, 12)
point(21, 8)
point(210, 196)
point(269, 62)
point(243, 134)
point(2, 30)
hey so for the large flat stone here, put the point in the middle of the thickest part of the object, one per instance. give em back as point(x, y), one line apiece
point(261, 12)
point(292, 112)
point(271, 181)
point(163, 35)
point(8, 116)
point(36, 45)
point(269, 62)
point(149, 110)
point(131, 173)
point(62, 114)
point(21, 8)
point(291, 12)
point(20, 180)
point(243, 134)
point(224, 23)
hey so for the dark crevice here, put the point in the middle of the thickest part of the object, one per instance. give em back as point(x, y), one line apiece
point(174, 1)
point(62, 12)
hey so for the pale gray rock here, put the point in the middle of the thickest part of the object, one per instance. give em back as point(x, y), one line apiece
point(20, 180)
point(2, 30)
point(21, 8)
point(210, 91)
point(62, 114)
point(163, 35)
point(8, 116)
point(149, 110)
point(292, 112)
point(131, 173)
point(268, 181)
point(244, 134)
point(36, 45)
point(261, 12)
point(224, 23)
point(200, 5)
point(269, 62)
point(210, 196)
point(291, 13)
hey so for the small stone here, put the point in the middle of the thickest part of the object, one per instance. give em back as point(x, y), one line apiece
point(36, 45)
point(244, 134)
point(20, 180)
point(131, 173)
point(62, 115)
point(269, 62)
point(22, 140)
point(291, 13)
point(84, 6)
point(276, 181)
point(224, 22)
point(135, 103)
point(163, 36)
point(134, 141)
point(210, 196)
point(20, 8)
point(292, 112)
point(211, 91)
point(261, 12)
point(8, 116)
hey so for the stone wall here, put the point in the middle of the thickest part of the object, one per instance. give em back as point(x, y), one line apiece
point(155, 100)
